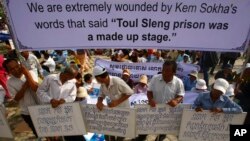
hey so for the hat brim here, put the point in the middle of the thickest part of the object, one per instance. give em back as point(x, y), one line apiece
point(220, 88)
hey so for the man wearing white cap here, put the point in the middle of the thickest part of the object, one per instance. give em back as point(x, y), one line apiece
point(200, 86)
point(216, 101)
point(113, 87)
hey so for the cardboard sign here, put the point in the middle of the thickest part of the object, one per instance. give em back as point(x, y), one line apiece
point(64, 120)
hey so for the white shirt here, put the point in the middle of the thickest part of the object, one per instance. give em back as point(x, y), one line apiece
point(30, 98)
point(33, 64)
point(51, 64)
point(164, 92)
point(52, 88)
point(116, 88)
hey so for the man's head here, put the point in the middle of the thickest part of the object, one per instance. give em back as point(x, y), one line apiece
point(126, 74)
point(13, 67)
point(193, 75)
point(168, 70)
point(219, 88)
point(70, 72)
point(25, 54)
point(101, 75)
point(88, 78)
point(227, 68)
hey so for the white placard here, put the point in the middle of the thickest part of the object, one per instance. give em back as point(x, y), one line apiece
point(136, 99)
point(160, 120)
point(4, 126)
point(110, 121)
point(207, 126)
point(65, 120)
point(138, 69)
point(190, 97)
point(180, 24)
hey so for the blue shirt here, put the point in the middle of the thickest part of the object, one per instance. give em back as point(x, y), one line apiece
point(188, 84)
point(226, 104)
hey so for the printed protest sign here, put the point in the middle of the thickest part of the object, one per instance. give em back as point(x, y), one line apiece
point(64, 120)
point(180, 24)
point(4, 126)
point(162, 119)
point(207, 126)
point(110, 121)
point(138, 69)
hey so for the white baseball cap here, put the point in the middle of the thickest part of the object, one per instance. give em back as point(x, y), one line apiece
point(230, 91)
point(221, 85)
point(98, 70)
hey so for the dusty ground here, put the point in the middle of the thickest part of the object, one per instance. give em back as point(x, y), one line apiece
point(22, 132)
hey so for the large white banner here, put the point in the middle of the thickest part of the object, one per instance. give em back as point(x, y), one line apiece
point(138, 69)
point(207, 126)
point(110, 121)
point(220, 25)
point(162, 119)
point(4, 126)
point(67, 119)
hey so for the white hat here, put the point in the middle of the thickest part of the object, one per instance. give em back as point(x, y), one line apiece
point(98, 70)
point(194, 73)
point(144, 79)
point(230, 91)
point(221, 85)
point(201, 84)
point(126, 72)
point(82, 92)
point(247, 65)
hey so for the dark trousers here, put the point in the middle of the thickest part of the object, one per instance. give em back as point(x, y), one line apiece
point(28, 120)
point(113, 138)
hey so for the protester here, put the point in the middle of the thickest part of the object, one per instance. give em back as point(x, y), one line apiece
point(242, 92)
point(126, 77)
point(191, 81)
point(216, 101)
point(114, 88)
point(208, 60)
point(166, 88)
point(200, 86)
point(142, 86)
point(157, 57)
point(89, 82)
point(59, 88)
point(3, 78)
point(49, 62)
point(225, 73)
point(23, 88)
point(32, 63)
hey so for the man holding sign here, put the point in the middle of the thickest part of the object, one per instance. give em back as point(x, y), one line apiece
point(166, 87)
point(216, 101)
point(115, 88)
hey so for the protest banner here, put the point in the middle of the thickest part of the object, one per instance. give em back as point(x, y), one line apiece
point(194, 25)
point(4, 126)
point(162, 119)
point(64, 120)
point(207, 126)
point(138, 69)
point(110, 121)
